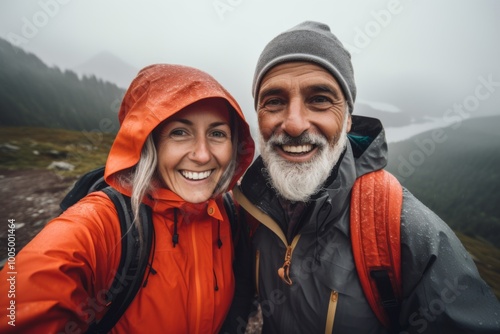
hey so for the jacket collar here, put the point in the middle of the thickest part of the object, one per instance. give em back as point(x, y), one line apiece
point(165, 201)
point(366, 151)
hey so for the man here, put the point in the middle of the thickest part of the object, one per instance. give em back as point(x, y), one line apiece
point(297, 198)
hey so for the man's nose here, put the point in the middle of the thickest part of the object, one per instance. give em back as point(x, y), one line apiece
point(296, 119)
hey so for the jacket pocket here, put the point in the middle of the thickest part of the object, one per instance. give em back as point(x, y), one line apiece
point(332, 308)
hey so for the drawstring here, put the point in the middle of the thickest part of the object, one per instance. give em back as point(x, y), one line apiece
point(175, 241)
point(216, 287)
point(219, 242)
point(151, 269)
point(175, 237)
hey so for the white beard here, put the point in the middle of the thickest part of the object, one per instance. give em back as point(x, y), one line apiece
point(297, 182)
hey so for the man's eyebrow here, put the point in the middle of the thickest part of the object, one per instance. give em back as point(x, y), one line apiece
point(319, 88)
point(325, 89)
point(270, 91)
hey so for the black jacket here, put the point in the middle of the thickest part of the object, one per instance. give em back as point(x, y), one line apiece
point(442, 290)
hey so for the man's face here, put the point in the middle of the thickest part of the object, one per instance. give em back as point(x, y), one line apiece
point(303, 121)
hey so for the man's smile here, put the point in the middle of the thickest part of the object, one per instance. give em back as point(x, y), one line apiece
point(297, 148)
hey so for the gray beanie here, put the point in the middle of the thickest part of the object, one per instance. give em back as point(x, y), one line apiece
point(312, 42)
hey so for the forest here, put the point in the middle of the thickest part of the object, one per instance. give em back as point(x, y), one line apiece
point(33, 94)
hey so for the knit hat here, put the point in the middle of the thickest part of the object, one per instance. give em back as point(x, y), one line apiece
point(312, 42)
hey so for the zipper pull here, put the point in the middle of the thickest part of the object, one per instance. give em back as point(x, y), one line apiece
point(284, 271)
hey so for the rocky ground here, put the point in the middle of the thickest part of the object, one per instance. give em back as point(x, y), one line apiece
point(32, 199)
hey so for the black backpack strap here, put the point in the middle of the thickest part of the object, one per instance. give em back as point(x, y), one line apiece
point(91, 181)
point(388, 298)
point(241, 306)
point(133, 261)
point(232, 215)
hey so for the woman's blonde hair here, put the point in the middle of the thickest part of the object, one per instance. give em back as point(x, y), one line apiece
point(143, 178)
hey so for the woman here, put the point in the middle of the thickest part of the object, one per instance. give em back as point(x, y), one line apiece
point(183, 141)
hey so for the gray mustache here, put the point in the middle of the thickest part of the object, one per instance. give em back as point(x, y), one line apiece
point(303, 139)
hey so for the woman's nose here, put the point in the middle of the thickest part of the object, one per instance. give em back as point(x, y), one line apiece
point(201, 152)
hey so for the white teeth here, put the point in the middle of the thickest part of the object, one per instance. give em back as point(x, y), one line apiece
point(196, 175)
point(297, 149)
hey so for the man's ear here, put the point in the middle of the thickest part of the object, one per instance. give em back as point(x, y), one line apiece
point(349, 123)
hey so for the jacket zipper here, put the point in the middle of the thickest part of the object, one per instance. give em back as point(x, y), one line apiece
point(284, 271)
point(197, 281)
point(332, 309)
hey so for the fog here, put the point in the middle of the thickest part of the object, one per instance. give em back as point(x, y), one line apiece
point(424, 57)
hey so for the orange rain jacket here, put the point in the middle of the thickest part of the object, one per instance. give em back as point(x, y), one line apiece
point(64, 272)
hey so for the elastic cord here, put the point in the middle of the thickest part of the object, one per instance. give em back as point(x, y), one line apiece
point(175, 236)
point(216, 287)
point(219, 242)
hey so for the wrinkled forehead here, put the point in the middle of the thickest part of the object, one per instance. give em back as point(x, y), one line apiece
point(299, 75)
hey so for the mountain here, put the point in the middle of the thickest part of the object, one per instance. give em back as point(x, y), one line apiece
point(387, 117)
point(33, 94)
point(454, 171)
point(109, 68)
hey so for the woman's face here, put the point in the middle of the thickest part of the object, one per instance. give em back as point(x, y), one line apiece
point(194, 148)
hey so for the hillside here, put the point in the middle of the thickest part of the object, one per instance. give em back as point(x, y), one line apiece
point(26, 148)
point(33, 94)
point(455, 173)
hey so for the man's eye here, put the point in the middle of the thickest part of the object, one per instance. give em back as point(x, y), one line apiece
point(320, 99)
point(273, 102)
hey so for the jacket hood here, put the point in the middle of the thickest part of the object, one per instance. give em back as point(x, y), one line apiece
point(158, 92)
point(369, 146)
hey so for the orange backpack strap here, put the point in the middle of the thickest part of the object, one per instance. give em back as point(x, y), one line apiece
point(375, 233)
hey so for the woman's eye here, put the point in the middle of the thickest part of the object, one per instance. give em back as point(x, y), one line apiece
point(178, 132)
point(218, 134)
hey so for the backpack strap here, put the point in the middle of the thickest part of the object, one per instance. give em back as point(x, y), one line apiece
point(241, 306)
point(231, 211)
point(133, 261)
point(376, 203)
point(90, 182)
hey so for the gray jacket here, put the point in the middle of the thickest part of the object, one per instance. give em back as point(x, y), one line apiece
point(442, 290)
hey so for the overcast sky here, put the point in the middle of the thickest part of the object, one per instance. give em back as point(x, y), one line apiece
point(424, 55)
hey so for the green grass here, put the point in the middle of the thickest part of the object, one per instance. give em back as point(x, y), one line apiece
point(39, 147)
point(487, 258)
